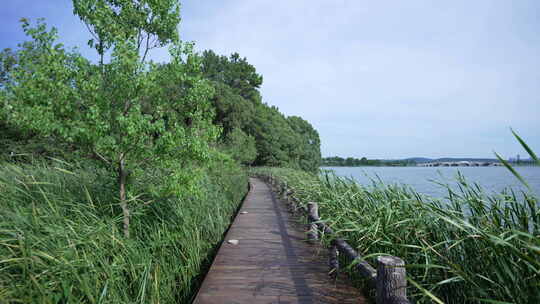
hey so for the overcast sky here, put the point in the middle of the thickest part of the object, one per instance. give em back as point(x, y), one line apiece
point(382, 79)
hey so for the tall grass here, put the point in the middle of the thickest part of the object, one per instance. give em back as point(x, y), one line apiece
point(61, 240)
point(472, 247)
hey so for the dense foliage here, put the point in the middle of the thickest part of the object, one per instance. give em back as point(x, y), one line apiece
point(251, 131)
point(471, 247)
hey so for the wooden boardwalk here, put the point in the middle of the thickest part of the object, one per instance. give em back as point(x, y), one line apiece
point(272, 262)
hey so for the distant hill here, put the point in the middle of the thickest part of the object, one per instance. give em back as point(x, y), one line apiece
point(420, 160)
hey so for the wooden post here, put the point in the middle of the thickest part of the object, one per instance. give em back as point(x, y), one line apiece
point(290, 200)
point(313, 216)
point(391, 281)
point(333, 261)
point(295, 204)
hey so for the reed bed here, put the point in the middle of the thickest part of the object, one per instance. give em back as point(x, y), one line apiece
point(470, 247)
point(61, 238)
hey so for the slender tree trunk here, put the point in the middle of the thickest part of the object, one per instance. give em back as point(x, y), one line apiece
point(122, 182)
point(101, 51)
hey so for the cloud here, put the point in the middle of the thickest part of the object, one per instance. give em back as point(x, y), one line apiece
point(376, 78)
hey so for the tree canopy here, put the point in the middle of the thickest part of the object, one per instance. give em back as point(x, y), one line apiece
point(279, 140)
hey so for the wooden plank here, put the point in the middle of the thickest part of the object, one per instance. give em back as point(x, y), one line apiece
point(272, 262)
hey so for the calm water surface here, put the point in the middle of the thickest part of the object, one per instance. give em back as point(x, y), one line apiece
point(421, 178)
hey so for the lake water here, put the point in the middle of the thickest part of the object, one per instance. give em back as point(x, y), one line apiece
point(420, 178)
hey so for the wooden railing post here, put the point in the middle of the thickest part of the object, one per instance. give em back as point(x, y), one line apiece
point(290, 200)
point(391, 281)
point(284, 190)
point(296, 205)
point(313, 217)
point(333, 261)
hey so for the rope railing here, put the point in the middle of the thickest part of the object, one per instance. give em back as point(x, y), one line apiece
point(388, 279)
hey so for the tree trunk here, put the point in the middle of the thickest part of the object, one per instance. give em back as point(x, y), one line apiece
point(122, 182)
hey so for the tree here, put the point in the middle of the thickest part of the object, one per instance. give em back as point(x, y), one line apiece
point(129, 113)
point(146, 23)
point(8, 59)
point(240, 146)
point(232, 110)
point(235, 72)
point(307, 144)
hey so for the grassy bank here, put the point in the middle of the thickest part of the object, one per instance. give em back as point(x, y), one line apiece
point(470, 248)
point(61, 238)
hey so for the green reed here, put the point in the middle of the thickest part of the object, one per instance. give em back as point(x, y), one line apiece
point(61, 240)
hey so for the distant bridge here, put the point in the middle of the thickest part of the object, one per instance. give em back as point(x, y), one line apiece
point(460, 164)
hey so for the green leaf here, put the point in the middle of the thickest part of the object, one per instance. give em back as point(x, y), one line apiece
point(512, 170)
point(425, 291)
point(526, 147)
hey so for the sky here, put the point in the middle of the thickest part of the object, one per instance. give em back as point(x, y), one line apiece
point(380, 79)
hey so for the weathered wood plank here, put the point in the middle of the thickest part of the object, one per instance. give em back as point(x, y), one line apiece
point(272, 262)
